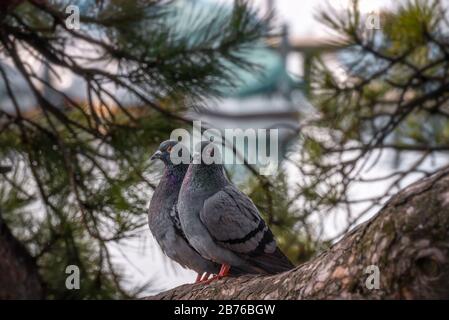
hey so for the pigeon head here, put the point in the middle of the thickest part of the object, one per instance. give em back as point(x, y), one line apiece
point(165, 150)
point(207, 153)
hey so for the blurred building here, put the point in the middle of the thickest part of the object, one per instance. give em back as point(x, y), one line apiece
point(271, 98)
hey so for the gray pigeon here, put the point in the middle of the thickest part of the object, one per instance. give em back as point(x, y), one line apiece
point(164, 221)
point(223, 224)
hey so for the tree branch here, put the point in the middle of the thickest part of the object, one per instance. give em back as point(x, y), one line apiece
point(408, 240)
point(19, 277)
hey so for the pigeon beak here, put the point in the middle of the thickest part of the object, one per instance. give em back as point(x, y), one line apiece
point(156, 155)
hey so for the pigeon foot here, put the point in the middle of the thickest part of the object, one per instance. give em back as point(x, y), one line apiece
point(224, 271)
point(201, 277)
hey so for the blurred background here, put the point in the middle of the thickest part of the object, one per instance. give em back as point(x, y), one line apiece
point(357, 89)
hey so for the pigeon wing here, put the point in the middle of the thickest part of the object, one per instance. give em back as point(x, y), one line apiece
point(234, 222)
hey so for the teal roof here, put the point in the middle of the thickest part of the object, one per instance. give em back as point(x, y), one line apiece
point(268, 80)
point(270, 73)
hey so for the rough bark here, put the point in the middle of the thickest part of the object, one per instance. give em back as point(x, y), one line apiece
point(408, 240)
point(19, 278)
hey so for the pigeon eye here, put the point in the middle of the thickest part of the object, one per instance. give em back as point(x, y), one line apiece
point(169, 148)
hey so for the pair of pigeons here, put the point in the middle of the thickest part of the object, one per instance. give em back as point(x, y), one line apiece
point(205, 223)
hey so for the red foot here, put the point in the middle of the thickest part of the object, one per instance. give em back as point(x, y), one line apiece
point(205, 276)
point(201, 277)
point(224, 271)
point(198, 277)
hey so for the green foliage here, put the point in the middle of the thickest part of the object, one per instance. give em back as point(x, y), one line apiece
point(81, 178)
point(390, 95)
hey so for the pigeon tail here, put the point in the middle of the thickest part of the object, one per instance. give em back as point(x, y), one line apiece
point(271, 263)
point(236, 271)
